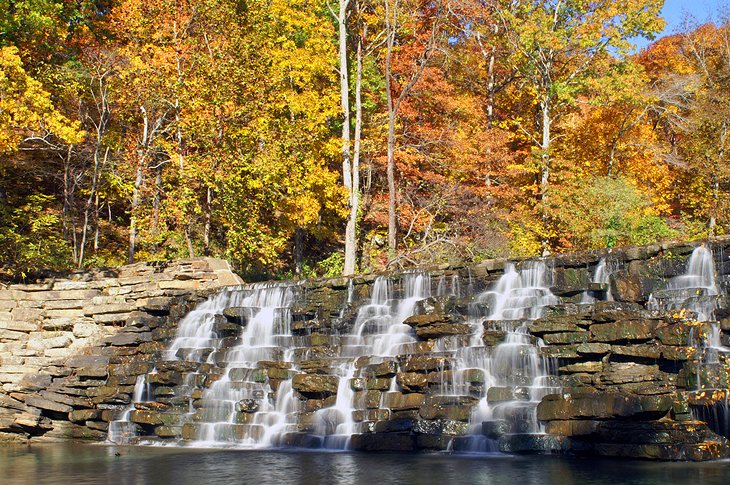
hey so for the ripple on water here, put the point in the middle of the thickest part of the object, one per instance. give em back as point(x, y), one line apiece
point(99, 464)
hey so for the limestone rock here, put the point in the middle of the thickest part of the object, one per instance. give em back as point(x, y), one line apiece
point(623, 330)
point(316, 384)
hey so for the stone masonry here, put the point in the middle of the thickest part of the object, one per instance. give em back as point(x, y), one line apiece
point(59, 338)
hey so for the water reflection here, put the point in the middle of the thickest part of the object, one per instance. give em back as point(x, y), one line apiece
point(96, 464)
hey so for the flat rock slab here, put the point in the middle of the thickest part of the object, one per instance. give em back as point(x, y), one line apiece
point(40, 403)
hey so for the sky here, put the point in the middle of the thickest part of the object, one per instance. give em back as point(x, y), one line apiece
point(674, 12)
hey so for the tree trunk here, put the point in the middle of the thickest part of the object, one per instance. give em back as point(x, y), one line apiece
point(347, 169)
point(715, 202)
point(545, 166)
point(67, 193)
point(189, 242)
point(206, 227)
point(97, 208)
point(491, 85)
point(156, 201)
point(390, 19)
point(139, 179)
point(351, 230)
point(88, 206)
point(298, 252)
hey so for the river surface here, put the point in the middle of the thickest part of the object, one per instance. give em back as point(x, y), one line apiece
point(111, 465)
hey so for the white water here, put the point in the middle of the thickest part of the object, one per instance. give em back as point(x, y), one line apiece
point(196, 336)
point(695, 290)
point(515, 371)
point(378, 333)
point(122, 430)
point(519, 294)
point(601, 276)
point(508, 380)
point(266, 334)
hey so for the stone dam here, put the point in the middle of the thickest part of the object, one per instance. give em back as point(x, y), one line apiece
point(619, 353)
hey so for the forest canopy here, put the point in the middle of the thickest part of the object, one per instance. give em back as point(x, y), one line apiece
point(316, 137)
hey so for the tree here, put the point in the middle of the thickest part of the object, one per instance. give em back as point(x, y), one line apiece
point(555, 47)
point(704, 124)
point(27, 114)
point(425, 29)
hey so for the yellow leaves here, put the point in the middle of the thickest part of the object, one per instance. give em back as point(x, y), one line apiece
point(26, 109)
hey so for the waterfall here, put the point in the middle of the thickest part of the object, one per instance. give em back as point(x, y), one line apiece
point(196, 336)
point(601, 279)
point(378, 333)
point(695, 290)
point(122, 430)
point(238, 408)
point(516, 375)
point(448, 358)
point(519, 294)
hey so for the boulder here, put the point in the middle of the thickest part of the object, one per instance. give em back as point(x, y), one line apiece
point(237, 315)
point(387, 368)
point(627, 288)
point(423, 363)
point(494, 429)
point(441, 427)
point(436, 325)
point(492, 337)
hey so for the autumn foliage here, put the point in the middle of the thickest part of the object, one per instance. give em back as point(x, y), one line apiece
point(137, 130)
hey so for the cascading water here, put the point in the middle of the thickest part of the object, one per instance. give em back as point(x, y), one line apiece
point(196, 339)
point(378, 333)
point(266, 365)
point(224, 415)
point(695, 290)
point(196, 336)
point(516, 376)
point(600, 279)
point(122, 430)
point(519, 294)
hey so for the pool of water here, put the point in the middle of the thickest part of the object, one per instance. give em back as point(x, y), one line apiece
point(75, 464)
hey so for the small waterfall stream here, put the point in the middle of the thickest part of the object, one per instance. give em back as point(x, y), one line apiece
point(697, 292)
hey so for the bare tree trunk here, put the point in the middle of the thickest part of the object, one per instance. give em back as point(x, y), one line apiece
point(545, 166)
point(156, 201)
point(206, 227)
point(351, 230)
point(67, 191)
point(391, 18)
point(139, 179)
point(96, 223)
point(390, 26)
point(189, 242)
point(347, 169)
point(715, 202)
point(298, 251)
point(90, 200)
point(491, 76)
point(545, 148)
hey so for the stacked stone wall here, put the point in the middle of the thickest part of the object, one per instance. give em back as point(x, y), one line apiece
point(63, 341)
